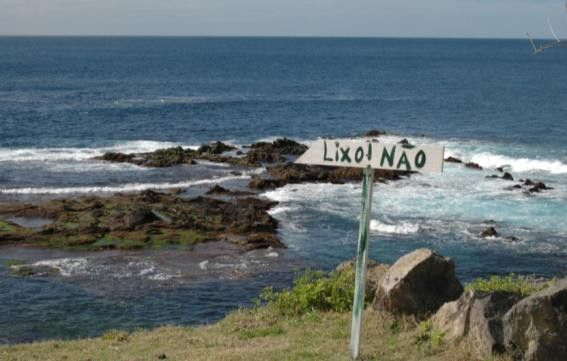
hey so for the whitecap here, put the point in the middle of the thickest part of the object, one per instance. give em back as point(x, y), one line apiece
point(78, 154)
point(400, 228)
point(490, 160)
point(129, 187)
point(66, 266)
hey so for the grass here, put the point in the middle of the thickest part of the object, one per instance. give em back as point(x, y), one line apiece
point(310, 321)
point(257, 334)
point(522, 285)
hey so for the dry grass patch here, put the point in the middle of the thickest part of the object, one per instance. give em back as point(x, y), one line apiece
point(260, 334)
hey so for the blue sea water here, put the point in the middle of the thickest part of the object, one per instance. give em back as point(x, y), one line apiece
point(65, 100)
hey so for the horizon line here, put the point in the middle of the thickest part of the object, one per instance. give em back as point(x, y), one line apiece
point(261, 36)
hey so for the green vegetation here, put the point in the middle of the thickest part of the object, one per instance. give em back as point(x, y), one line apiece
point(522, 285)
point(310, 321)
point(314, 290)
point(148, 220)
point(7, 227)
point(22, 271)
point(12, 262)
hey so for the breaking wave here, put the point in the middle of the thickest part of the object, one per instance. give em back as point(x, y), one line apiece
point(401, 228)
point(77, 154)
point(132, 187)
point(490, 160)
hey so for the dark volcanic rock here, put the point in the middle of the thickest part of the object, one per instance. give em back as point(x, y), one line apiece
point(161, 158)
point(374, 133)
point(258, 182)
point(117, 157)
point(145, 220)
point(274, 152)
point(218, 190)
point(514, 187)
point(453, 160)
point(215, 148)
point(282, 174)
point(538, 187)
point(489, 232)
point(535, 329)
point(473, 165)
point(418, 284)
point(507, 176)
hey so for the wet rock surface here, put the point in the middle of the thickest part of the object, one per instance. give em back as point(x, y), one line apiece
point(489, 232)
point(453, 160)
point(290, 173)
point(473, 165)
point(261, 152)
point(529, 186)
point(143, 220)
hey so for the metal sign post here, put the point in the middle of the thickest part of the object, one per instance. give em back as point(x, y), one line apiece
point(361, 261)
point(363, 153)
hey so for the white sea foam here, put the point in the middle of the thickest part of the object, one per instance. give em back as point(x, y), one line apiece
point(66, 266)
point(131, 187)
point(77, 154)
point(281, 209)
point(400, 228)
point(487, 159)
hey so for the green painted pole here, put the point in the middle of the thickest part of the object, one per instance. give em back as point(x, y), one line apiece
point(361, 261)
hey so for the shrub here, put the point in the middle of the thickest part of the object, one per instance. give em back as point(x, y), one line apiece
point(314, 290)
point(522, 285)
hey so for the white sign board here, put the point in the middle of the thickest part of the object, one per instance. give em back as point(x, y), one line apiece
point(361, 153)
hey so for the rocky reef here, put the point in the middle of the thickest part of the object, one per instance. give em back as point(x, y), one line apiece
point(275, 155)
point(144, 220)
point(261, 152)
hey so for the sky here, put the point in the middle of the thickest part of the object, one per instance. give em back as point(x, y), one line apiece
point(372, 18)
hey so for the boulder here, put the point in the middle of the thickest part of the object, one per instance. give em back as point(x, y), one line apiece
point(507, 176)
point(538, 187)
point(535, 329)
point(418, 284)
point(473, 165)
point(375, 272)
point(478, 315)
point(485, 326)
point(453, 317)
point(489, 232)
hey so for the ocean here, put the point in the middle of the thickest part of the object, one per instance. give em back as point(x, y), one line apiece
point(66, 100)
